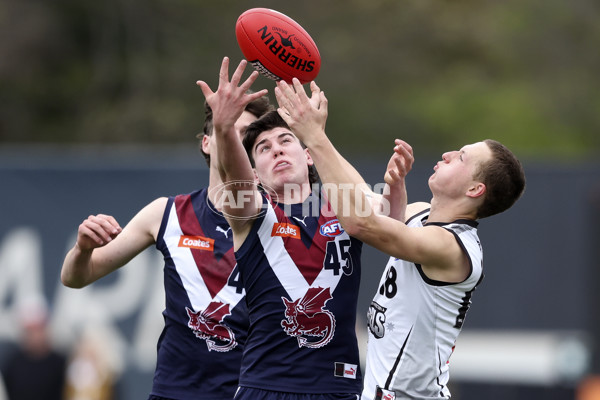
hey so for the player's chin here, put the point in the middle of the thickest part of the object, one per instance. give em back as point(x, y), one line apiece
point(280, 182)
point(286, 181)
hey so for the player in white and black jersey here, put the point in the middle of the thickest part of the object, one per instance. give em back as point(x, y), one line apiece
point(413, 318)
point(436, 256)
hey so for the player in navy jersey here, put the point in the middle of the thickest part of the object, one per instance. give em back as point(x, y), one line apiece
point(200, 348)
point(298, 266)
point(436, 257)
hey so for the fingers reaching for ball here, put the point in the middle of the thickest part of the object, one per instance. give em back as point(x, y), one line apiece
point(306, 116)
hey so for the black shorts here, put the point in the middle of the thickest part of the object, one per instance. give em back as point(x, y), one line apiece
point(248, 393)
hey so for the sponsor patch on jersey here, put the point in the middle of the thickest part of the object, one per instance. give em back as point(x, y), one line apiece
point(376, 319)
point(197, 242)
point(332, 228)
point(285, 230)
point(345, 370)
point(382, 394)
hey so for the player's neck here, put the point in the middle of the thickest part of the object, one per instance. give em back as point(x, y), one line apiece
point(214, 181)
point(444, 211)
point(293, 194)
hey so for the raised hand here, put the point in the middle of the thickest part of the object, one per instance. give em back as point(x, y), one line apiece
point(97, 231)
point(231, 97)
point(305, 116)
point(400, 163)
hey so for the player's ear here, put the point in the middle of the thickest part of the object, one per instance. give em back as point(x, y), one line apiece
point(256, 180)
point(206, 144)
point(309, 159)
point(477, 189)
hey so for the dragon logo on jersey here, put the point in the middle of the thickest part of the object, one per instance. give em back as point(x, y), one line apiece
point(376, 319)
point(307, 318)
point(208, 325)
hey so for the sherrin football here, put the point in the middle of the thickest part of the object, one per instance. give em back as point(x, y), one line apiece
point(277, 46)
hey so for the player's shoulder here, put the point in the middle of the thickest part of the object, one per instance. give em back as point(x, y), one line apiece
point(153, 212)
point(157, 204)
point(414, 209)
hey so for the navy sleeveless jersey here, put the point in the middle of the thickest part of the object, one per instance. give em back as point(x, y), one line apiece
point(301, 273)
point(201, 345)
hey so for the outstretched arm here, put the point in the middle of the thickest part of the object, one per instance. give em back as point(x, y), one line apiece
point(306, 117)
point(344, 186)
point(102, 246)
point(240, 198)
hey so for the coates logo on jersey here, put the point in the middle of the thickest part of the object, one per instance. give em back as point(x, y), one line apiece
point(285, 230)
point(307, 318)
point(208, 325)
point(197, 242)
point(332, 228)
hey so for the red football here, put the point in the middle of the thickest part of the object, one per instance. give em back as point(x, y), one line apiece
point(277, 46)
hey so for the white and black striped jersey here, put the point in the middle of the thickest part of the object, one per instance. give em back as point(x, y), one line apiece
point(414, 321)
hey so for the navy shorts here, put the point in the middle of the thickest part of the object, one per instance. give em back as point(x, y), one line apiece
point(248, 393)
point(152, 397)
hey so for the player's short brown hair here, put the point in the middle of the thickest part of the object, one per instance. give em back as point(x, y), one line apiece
point(504, 179)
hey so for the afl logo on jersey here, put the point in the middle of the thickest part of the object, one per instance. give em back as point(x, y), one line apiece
point(332, 228)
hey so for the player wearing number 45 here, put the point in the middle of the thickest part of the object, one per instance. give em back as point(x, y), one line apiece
point(200, 348)
point(300, 270)
point(436, 257)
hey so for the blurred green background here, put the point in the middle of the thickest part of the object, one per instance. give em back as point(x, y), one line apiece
point(438, 74)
